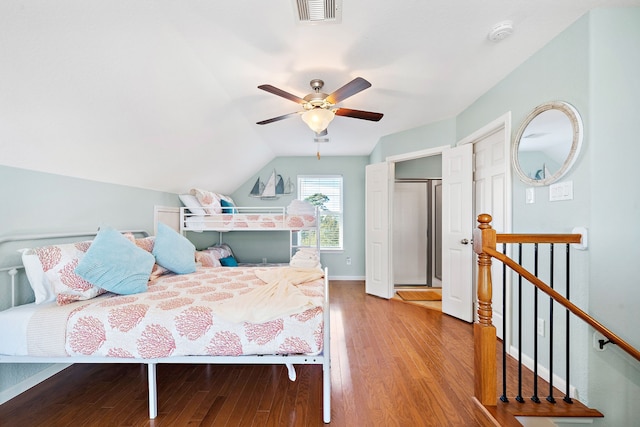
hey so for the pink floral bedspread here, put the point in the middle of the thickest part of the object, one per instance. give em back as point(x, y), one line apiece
point(176, 317)
point(249, 221)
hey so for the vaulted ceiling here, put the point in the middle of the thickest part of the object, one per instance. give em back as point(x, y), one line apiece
point(162, 94)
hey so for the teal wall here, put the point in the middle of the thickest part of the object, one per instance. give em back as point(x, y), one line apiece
point(593, 65)
point(34, 202)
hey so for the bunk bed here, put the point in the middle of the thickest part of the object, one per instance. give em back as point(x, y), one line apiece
point(246, 218)
point(211, 315)
point(299, 218)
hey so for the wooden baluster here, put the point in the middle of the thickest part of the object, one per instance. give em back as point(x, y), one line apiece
point(484, 333)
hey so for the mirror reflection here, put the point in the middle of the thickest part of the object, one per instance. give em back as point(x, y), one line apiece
point(547, 143)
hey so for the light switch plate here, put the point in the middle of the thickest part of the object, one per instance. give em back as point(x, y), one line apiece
point(561, 191)
point(530, 195)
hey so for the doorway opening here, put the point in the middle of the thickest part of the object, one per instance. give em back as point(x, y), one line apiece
point(417, 234)
point(467, 173)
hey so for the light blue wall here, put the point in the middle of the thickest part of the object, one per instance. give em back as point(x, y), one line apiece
point(594, 65)
point(421, 168)
point(615, 208)
point(34, 202)
point(558, 72)
point(427, 136)
point(352, 170)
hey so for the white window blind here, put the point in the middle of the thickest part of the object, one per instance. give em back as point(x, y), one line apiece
point(324, 191)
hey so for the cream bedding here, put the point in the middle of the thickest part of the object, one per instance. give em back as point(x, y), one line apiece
point(279, 297)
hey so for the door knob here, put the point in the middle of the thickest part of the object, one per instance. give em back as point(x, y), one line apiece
point(464, 241)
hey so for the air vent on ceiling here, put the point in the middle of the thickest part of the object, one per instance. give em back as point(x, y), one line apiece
point(318, 11)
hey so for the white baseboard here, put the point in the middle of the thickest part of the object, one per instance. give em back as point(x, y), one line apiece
point(32, 381)
point(543, 372)
point(359, 278)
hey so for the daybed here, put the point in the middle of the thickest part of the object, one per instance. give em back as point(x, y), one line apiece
point(220, 315)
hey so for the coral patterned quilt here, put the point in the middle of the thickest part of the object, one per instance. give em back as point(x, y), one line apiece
point(177, 317)
point(249, 222)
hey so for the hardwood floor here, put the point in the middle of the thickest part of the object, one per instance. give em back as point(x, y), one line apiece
point(393, 364)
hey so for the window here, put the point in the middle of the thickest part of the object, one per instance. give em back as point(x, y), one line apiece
point(324, 191)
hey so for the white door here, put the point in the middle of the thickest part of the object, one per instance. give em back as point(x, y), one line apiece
point(457, 225)
point(378, 271)
point(410, 223)
point(490, 187)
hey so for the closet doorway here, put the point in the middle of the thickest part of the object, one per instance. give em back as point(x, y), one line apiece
point(417, 237)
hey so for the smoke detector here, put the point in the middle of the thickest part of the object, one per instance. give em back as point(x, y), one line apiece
point(501, 31)
point(318, 11)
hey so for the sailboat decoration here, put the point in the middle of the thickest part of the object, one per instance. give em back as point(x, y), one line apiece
point(273, 189)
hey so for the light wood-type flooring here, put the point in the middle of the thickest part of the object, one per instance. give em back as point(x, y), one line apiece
point(393, 364)
point(433, 305)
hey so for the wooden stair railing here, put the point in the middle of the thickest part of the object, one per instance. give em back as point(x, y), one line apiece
point(485, 240)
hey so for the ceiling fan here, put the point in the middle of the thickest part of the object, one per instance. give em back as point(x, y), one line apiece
point(319, 108)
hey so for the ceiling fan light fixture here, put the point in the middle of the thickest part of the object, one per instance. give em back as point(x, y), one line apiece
point(318, 119)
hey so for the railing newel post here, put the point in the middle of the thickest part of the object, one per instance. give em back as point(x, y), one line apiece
point(484, 333)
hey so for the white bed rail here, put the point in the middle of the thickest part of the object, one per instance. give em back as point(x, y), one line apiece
point(326, 353)
point(13, 270)
point(246, 218)
point(53, 236)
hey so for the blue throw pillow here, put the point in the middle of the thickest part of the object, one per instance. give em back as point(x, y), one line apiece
point(115, 264)
point(173, 251)
point(227, 207)
point(228, 261)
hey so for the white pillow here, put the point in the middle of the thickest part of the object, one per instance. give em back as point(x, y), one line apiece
point(192, 203)
point(208, 200)
point(42, 289)
point(52, 273)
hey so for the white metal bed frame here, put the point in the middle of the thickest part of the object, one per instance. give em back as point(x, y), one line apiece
point(288, 360)
point(226, 221)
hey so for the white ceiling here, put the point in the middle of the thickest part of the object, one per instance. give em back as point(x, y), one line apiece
point(162, 94)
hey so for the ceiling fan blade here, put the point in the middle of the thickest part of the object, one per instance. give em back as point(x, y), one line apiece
point(354, 86)
point(274, 90)
point(359, 114)
point(277, 119)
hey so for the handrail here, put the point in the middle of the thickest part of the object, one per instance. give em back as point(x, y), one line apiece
point(538, 238)
point(564, 302)
point(485, 239)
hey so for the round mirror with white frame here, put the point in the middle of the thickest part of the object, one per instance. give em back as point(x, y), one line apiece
point(548, 143)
